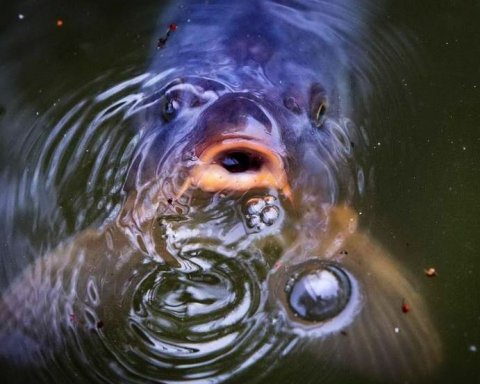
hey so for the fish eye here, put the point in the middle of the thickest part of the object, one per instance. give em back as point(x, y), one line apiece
point(169, 108)
point(180, 97)
point(319, 115)
point(319, 105)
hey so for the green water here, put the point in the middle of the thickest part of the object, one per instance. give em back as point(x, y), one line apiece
point(428, 183)
point(424, 206)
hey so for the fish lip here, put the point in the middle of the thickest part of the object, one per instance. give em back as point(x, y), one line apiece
point(271, 158)
point(210, 176)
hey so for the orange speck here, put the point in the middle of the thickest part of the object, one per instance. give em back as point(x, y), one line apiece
point(405, 307)
point(430, 272)
point(59, 23)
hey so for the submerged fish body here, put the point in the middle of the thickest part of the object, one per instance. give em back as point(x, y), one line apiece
point(237, 240)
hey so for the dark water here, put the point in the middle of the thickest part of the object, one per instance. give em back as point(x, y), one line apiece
point(58, 179)
point(427, 186)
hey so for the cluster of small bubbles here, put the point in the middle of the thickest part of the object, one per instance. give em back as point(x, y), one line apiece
point(261, 212)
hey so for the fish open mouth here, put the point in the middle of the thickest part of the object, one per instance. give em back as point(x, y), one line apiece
point(238, 164)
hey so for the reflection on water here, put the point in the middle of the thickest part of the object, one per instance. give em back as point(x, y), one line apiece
point(118, 267)
point(197, 322)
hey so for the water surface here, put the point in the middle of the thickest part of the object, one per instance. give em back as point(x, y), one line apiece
point(58, 179)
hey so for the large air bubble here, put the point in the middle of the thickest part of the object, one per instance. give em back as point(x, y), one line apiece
point(320, 294)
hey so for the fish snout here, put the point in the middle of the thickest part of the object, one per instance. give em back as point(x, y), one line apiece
point(240, 149)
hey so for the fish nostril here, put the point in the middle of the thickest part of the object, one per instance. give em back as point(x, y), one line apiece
point(240, 161)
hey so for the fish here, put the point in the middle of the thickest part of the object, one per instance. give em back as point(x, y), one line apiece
point(250, 144)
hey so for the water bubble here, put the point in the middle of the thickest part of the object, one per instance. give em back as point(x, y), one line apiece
point(254, 221)
point(255, 205)
point(270, 215)
point(319, 294)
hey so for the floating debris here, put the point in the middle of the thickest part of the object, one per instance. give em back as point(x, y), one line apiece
point(405, 307)
point(59, 23)
point(163, 40)
point(430, 272)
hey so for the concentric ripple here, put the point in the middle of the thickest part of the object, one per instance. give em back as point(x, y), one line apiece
point(69, 167)
point(205, 320)
point(72, 162)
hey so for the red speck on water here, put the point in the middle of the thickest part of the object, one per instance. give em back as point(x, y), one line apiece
point(59, 23)
point(163, 40)
point(405, 307)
